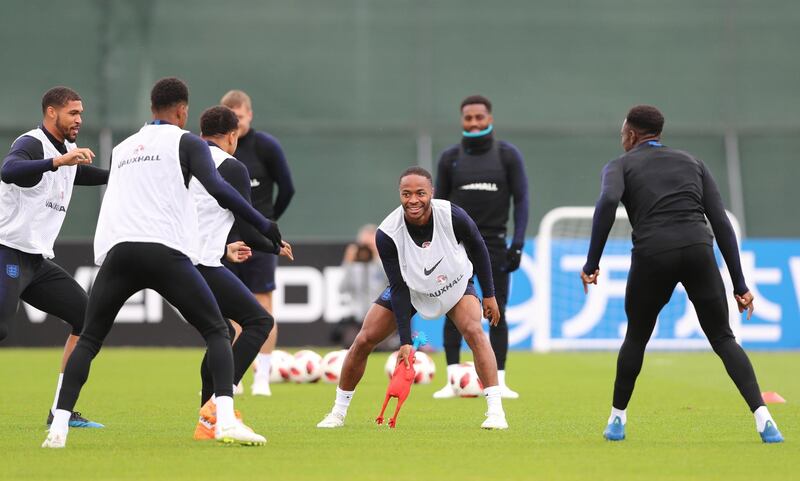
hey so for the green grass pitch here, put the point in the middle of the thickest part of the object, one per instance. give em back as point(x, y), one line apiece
point(686, 421)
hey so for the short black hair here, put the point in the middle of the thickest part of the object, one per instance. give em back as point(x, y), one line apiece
point(168, 92)
point(645, 119)
point(477, 99)
point(58, 97)
point(218, 120)
point(416, 170)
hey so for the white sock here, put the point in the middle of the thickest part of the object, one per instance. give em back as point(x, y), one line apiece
point(494, 402)
point(617, 412)
point(501, 378)
point(263, 365)
point(762, 416)
point(450, 368)
point(342, 402)
point(225, 415)
point(60, 422)
point(58, 390)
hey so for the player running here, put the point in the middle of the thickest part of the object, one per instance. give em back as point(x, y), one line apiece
point(147, 238)
point(427, 247)
point(218, 126)
point(263, 156)
point(668, 194)
point(482, 175)
point(38, 175)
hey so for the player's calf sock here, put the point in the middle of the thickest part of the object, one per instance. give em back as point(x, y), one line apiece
point(225, 414)
point(494, 401)
point(762, 415)
point(263, 366)
point(60, 423)
point(766, 426)
point(342, 402)
point(58, 389)
point(618, 413)
point(501, 377)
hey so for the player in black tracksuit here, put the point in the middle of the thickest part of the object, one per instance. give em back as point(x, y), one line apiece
point(263, 156)
point(668, 194)
point(482, 175)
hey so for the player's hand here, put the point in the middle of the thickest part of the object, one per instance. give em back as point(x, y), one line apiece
point(745, 301)
point(491, 311)
point(74, 157)
point(286, 250)
point(513, 258)
point(237, 252)
point(404, 354)
point(350, 253)
point(589, 279)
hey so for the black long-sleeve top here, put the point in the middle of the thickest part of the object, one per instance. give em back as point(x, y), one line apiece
point(485, 191)
point(263, 156)
point(25, 164)
point(667, 194)
point(466, 232)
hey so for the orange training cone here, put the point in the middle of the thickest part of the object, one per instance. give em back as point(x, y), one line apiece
point(771, 397)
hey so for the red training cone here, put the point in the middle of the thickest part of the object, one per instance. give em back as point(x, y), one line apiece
point(771, 397)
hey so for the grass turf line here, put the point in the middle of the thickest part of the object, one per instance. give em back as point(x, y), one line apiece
point(686, 421)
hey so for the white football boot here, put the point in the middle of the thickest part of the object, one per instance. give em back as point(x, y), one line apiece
point(55, 440)
point(238, 433)
point(445, 393)
point(495, 420)
point(507, 393)
point(260, 388)
point(332, 420)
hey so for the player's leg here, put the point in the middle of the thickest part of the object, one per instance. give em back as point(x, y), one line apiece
point(16, 274)
point(467, 317)
point(116, 281)
point(379, 323)
point(498, 335)
point(260, 272)
point(705, 289)
point(651, 281)
point(452, 352)
point(55, 292)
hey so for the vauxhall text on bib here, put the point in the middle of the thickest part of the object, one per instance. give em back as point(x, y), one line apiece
point(214, 222)
point(436, 275)
point(146, 199)
point(31, 217)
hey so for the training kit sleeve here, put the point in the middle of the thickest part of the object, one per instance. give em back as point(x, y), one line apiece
point(24, 165)
point(468, 234)
point(444, 176)
point(401, 298)
point(235, 173)
point(723, 231)
point(612, 187)
point(91, 175)
point(196, 161)
point(518, 184)
point(269, 148)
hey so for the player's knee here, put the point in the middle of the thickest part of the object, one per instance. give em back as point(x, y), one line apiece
point(364, 342)
point(473, 333)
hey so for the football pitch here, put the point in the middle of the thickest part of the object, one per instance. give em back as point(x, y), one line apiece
point(686, 421)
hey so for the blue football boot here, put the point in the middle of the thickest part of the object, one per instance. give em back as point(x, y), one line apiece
point(76, 421)
point(615, 431)
point(770, 434)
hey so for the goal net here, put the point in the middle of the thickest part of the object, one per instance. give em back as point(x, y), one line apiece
point(569, 319)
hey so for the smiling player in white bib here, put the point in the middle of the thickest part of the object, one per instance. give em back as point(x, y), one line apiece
point(428, 248)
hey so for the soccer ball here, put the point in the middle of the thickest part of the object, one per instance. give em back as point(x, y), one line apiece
point(423, 365)
point(425, 368)
point(307, 367)
point(332, 366)
point(465, 382)
point(279, 367)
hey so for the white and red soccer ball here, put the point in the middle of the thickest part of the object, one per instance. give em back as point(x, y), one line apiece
point(332, 366)
point(423, 365)
point(464, 380)
point(306, 367)
point(280, 366)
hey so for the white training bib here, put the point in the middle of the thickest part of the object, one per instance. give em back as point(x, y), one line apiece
point(146, 199)
point(214, 222)
point(436, 275)
point(31, 217)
